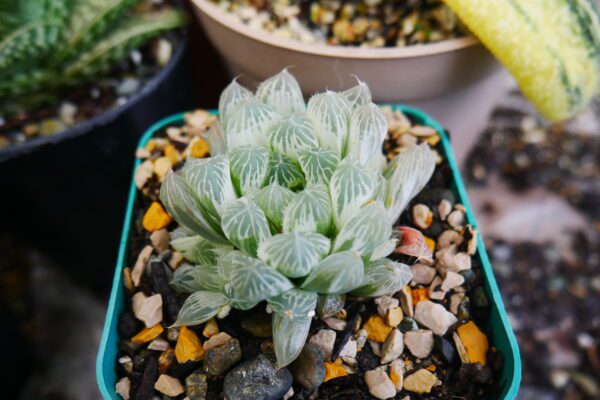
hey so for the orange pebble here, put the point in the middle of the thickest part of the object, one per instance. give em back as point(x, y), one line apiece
point(377, 329)
point(148, 334)
point(188, 347)
point(334, 370)
point(474, 341)
point(418, 295)
point(429, 242)
point(199, 148)
point(156, 218)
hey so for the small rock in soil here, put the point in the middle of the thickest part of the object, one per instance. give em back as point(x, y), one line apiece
point(386, 303)
point(219, 339)
point(397, 374)
point(196, 386)
point(408, 324)
point(308, 369)
point(335, 323)
point(422, 274)
point(392, 347)
point(379, 384)
point(420, 381)
point(324, 340)
point(158, 344)
point(123, 387)
point(150, 311)
point(160, 240)
point(446, 349)
point(434, 316)
point(220, 359)
point(258, 379)
point(366, 359)
point(348, 352)
point(169, 386)
point(419, 343)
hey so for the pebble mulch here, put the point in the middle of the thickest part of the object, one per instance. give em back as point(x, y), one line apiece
point(427, 341)
point(368, 23)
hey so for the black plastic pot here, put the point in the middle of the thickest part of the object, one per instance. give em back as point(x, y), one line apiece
point(66, 194)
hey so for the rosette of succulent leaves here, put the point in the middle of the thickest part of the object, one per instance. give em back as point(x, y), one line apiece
point(295, 207)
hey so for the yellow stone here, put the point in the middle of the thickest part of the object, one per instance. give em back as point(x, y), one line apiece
point(210, 329)
point(377, 329)
point(162, 165)
point(419, 294)
point(173, 154)
point(148, 334)
point(431, 368)
point(188, 347)
point(433, 140)
point(156, 218)
point(199, 148)
point(475, 342)
point(394, 317)
point(429, 242)
point(420, 382)
point(334, 370)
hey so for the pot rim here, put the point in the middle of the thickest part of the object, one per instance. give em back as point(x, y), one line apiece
point(228, 21)
point(18, 150)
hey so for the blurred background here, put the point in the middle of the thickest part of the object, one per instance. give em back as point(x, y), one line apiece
point(534, 187)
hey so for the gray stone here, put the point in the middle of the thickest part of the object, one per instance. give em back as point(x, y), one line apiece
point(308, 369)
point(196, 386)
point(258, 379)
point(220, 359)
point(324, 340)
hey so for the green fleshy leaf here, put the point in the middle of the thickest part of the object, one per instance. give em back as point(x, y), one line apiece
point(294, 254)
point(369, 227)
point(201, 306)
point(330, 112)
point(282, 93)
point(249, 167)
point(289, 337)
point(284, 171)
point(358, 95)
point(384, 249)
point(216, 141)
point(291, 134)
point(245, 225)
point(294, 303)
point(368, 128)
point(199, 250)
point(351, 186)
point(189, 279)
point(273, 200)
point(318, 165)
point(338, 273)
point(329, 305)
point(230, 98)
point(383, 277)
point(184, 279)
point(185, 208)
point(248, 123)
point(253, 280)
point(309, 211)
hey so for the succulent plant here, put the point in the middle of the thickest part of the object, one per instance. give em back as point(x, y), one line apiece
point(46, 45)
point(295, 207)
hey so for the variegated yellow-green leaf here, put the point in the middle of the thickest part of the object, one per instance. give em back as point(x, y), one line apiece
point(339, 273)
point(364, 231)
point(291, 134)
point(249, 166)
point(185, 208)
point(254, 280)
point(201, 306)
point(273, 200)
point(318, 165)
point(309, 211)
point(230, 98)
point(358, 95)
point(294, 303)
point(248, 123)
point(294, 254)
point(330, 112)
point(245, 225)
point(289, 336)
point(383, 277)
point(351, 186)
point(368, 128)
point(282, 93)
point(407, 175)
point(284, 171)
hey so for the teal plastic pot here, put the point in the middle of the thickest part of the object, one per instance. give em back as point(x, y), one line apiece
point(501, 334)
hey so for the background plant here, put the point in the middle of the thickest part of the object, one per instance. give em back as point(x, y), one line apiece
point(296, 206)
point(46, 45)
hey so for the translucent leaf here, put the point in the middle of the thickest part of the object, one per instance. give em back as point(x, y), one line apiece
point(351, 186)
point(368, 228)
point(249, 166)
point(384, 249)
point(199, 250)
point(318, 165)
point(309, 211)
point(291, 134)
point(289, 337)
point(209, 180)
point(245, 225)
point(273, 200)
point(225, 265)
point(368, 128)
point(253, 280)
point(380, 189)
point(201, 306)
point(338, 273)
point(358, 95)
point(383, 277)
point(185, 208)
point(407, 175)
point(284, 171)
point(184, 279)
point(216, 141)
point(330, 112)
point(248, 123)
point(188, 279)
point(282, 93)
point(329, 305)
point(294, 254)
point(230, 98)
point(295, 303)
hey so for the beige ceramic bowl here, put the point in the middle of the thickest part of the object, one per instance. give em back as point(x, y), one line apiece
point(393, 74)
